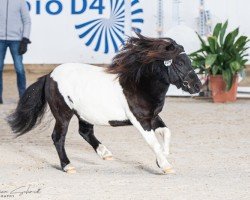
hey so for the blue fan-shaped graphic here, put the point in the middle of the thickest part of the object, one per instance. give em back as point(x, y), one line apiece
point(108, 33)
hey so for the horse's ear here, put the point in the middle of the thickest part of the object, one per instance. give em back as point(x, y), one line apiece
point(168, 40)
point(170, 46)
point(139, 35)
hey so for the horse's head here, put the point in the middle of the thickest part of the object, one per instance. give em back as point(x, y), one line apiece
point(178, 68)
point(163, 58)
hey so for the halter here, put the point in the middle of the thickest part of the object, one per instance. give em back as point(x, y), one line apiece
point(185, 83)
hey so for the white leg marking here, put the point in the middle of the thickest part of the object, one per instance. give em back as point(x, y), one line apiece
point(151, 139)
point(69, 169)
point(104, 153)
point(166, 134)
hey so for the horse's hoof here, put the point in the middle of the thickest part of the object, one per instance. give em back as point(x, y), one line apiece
point(104, 153)
point(169, 171)
point(108, 158)
point(69, 169)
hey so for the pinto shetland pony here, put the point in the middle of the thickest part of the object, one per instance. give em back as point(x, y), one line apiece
point(131, 91)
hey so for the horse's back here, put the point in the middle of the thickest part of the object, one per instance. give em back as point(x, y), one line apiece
point(94, 94)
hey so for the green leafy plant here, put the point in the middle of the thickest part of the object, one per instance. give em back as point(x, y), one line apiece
point(221, 54)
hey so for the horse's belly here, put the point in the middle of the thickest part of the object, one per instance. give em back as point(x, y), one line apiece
point(99, 103)
point(100, 114)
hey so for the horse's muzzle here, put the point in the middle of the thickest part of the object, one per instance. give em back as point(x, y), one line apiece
point(191, 83)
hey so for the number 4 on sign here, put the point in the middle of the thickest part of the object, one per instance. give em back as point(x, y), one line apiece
point(98, 5)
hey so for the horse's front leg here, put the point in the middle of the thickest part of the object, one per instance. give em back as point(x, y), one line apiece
point(146, 129)
point(160, 128)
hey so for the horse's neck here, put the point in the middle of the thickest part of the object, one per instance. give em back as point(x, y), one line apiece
point(149, 86)
point(147, 98)
point(154, 87)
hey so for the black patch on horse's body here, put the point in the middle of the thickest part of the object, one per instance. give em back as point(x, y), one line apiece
point(144, 100)
point(63, 115)
point(116, 123)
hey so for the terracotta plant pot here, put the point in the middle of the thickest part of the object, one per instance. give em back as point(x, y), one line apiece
point(218, 87)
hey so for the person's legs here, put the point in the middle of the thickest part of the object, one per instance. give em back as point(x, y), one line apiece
point(3, 49)
point(18, 63)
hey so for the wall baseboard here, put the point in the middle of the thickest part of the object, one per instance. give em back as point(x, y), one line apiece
point(38, 68)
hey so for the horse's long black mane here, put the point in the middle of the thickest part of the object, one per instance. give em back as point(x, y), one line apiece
point(139, 54)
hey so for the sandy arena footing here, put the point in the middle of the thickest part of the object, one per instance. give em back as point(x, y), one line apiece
point(210, 151)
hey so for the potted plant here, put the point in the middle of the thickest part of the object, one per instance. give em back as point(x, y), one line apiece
point(221, 58)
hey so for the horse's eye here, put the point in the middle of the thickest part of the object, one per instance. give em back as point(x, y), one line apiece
point(170, 47)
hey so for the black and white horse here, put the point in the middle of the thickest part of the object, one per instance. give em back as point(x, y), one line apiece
point(131, 91)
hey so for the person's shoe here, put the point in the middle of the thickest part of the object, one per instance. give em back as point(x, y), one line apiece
point(1, 100)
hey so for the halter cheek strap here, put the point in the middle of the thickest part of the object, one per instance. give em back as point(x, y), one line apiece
point(167, 63)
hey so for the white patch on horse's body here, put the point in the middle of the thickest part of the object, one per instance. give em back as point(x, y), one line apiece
point(166, 134)
point(104, 153)
point(95, 95)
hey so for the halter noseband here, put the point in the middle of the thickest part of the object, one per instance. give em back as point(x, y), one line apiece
point(184, 82)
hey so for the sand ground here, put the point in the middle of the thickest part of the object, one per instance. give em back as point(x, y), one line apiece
point(210, 151)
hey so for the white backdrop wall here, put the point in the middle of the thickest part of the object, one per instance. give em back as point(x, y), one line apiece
point(56, 40)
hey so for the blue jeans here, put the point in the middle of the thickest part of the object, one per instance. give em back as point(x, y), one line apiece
point(18, 63)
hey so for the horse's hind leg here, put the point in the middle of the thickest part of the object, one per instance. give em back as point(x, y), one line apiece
point(58, 136)
point(63, 115)
point(86, 130)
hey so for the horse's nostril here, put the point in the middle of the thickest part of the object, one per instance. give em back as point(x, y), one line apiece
point(197, 87)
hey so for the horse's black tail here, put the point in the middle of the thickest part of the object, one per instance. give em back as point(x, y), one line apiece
point(30, 109)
